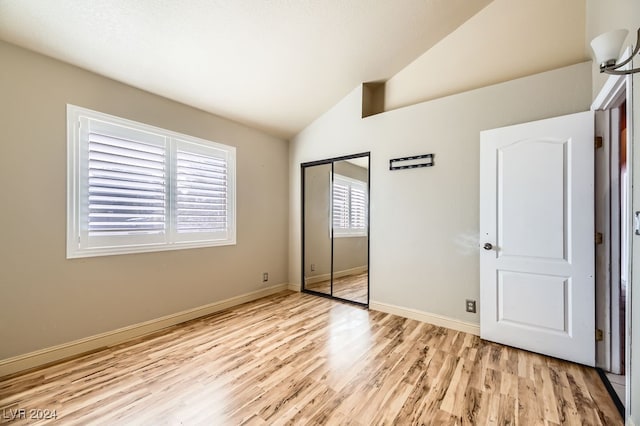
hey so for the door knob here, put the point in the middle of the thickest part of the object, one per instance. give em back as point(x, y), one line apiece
point(488, 246)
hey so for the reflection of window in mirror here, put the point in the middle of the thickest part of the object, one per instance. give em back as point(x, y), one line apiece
point(349, 207)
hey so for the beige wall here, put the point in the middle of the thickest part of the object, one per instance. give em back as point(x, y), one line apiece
point(47, 299)
point(424, 222)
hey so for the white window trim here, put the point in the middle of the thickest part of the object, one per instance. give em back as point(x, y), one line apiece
point(340, 232)
point(76, 178)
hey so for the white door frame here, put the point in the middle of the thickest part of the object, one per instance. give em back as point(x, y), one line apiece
point(609, 225)
point(617, 89)
point(602, 207)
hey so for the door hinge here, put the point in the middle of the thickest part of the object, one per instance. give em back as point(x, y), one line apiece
point(598, 142)
point(599, 237)
point(599, 335)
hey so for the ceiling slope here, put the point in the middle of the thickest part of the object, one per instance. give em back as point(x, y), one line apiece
point(506, 40)
point(274, 65)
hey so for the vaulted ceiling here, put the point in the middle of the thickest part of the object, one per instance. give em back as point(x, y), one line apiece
point(275, 65)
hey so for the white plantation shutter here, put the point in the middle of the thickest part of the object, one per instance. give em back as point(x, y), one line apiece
point(201, 192)
point(126, 187)
point(358, 207)
point(349, 207)
point(340, 205)
point(135, 188)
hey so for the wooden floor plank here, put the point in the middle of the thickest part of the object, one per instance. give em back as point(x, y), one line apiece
point(294, 358)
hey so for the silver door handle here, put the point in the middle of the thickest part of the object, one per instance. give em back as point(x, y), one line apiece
point(488, 246)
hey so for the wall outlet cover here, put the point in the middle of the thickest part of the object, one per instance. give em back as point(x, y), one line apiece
point(471, 306)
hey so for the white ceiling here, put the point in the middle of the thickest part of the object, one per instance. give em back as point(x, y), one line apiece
point(275, 65)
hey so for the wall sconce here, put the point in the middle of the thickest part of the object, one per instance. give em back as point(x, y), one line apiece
point(606, 48)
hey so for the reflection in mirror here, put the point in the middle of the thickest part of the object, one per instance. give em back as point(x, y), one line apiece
point(317, 238)
point(350, 224)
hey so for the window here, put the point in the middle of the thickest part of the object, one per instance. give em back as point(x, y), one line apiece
point(136, 188)
point(349, 207)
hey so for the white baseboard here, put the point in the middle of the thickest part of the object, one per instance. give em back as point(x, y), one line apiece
point(59, 352)
point(427, 317)
point(337, 274)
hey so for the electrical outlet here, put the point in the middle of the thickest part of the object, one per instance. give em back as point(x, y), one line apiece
point(265, 277)
point(313, 267)
point(471, 306)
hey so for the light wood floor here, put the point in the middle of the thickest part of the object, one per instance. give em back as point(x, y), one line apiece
point(350, 287)
point(295, 358)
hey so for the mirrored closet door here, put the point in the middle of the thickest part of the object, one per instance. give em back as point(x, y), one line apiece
point(335, 228)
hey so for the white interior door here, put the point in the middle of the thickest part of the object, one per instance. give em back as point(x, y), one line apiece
point(537, 237)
